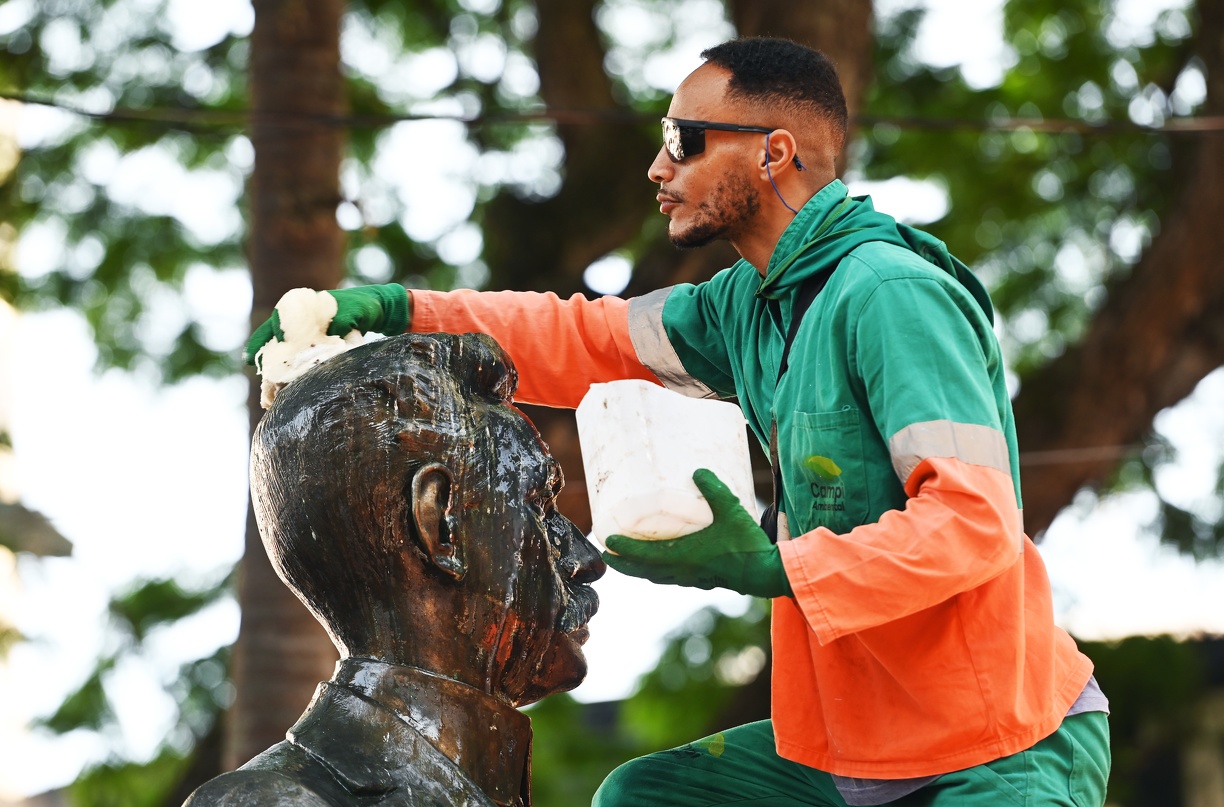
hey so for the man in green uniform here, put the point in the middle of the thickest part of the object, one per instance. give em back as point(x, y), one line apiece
point(916, 659)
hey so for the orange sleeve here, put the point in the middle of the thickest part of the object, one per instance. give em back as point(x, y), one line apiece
point(559, 347)
point(959, 529)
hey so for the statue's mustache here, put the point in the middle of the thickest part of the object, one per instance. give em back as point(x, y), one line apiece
point(582, 605)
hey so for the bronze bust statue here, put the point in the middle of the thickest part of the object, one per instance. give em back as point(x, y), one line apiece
point(410, 506)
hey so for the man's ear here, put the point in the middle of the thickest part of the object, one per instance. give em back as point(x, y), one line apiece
point(433, 514)
point(782, 152)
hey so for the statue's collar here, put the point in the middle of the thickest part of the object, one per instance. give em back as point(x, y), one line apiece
point(487, 738)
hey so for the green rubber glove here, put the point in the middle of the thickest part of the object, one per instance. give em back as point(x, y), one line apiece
point(381, 309)
point(733, 552)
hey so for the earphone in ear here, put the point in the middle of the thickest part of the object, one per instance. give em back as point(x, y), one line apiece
point(769, 173)
point(798, 165)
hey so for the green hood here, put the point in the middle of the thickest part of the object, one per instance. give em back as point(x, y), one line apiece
point(832, 225)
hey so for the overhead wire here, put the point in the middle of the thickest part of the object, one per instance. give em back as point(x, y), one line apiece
point(203, 119)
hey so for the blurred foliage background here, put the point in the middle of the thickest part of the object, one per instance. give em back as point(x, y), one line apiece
point(1076, 177)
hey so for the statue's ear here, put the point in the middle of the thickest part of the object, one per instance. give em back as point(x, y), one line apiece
point(433, 513)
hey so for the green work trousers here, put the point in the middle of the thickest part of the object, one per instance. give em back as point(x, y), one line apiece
point(739, 767)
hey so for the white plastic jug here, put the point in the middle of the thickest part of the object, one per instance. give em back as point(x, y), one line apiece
point(640, 446)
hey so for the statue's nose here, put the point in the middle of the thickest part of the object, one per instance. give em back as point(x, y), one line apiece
point(581, 562)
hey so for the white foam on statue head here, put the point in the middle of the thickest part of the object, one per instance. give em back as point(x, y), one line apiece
point(305, 315)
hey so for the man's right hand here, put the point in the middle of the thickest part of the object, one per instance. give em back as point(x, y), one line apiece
point(383, 309)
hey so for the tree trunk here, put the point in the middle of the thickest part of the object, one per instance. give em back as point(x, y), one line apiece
point(1158, 334)
point(545, 245)
point(296, 88)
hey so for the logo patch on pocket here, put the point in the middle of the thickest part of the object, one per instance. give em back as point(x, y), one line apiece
point(826, 470)
point(825, 483)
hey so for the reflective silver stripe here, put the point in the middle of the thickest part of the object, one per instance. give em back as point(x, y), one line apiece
point(655, 350)
point(976, 445)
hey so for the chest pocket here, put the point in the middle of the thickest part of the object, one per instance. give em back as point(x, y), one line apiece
point(828, 483)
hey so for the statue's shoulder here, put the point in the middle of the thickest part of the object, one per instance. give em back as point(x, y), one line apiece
point(275, 778)
point(255, 789)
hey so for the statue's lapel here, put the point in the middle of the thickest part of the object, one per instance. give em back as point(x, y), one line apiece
point(372, 752)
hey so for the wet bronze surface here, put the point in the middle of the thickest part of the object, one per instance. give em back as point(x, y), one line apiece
point(412, 509)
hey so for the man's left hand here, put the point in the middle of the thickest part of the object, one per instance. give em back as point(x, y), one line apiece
point(733, 552)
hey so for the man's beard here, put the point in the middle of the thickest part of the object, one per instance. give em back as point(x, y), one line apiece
point(735, 202)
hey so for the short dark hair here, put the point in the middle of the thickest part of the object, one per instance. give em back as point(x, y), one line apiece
point(769, 71)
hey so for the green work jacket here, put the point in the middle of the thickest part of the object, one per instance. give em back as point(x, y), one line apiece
point(898, 337)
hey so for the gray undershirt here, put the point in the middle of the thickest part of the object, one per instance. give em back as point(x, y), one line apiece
point(872, 792)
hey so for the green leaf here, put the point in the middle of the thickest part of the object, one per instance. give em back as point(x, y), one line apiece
point(86, 708)
point(129, 784)
point(158, 602)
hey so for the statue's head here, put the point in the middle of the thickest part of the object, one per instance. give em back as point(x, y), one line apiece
point(403, 498)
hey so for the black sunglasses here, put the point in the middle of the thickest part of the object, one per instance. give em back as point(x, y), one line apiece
point(686, 138)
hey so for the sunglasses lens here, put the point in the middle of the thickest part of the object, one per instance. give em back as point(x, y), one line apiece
point(672, 141)
point(682, 141)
